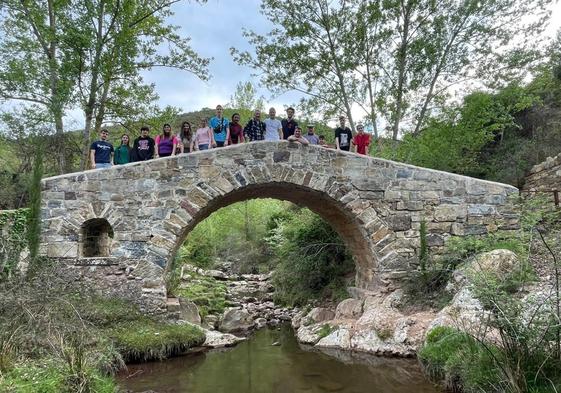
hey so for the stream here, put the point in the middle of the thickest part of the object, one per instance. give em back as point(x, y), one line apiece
point(258, 366)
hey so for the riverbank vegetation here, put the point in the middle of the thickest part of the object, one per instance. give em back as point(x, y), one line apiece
point(54, 338)
point(514, 343)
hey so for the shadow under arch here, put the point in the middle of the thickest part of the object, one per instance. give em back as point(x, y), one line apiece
point(344, 221)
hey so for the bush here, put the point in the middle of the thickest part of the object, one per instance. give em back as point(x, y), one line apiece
point(312, 260)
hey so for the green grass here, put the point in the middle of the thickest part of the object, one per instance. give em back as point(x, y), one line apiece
point(207, 293)
point(50, 376)
point(144, 340)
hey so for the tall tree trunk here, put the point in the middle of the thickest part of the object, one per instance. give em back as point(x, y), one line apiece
point(371, 95)
point(335, 57)
point(402, 61)
point(90, 106)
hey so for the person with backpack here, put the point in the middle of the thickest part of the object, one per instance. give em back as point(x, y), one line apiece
point(220, 127)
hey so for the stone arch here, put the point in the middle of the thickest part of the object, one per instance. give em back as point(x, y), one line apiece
point(364, 233)
point(95, 238)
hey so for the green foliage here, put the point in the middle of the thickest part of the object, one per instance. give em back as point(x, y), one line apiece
point(424, 249)
point(236, 231)
point(50, 376)
point(207, 293)
point(34, 216)
point(14, 223)
point(326, 330)
point(145, 339)
point(312, 259)
point(460, 361)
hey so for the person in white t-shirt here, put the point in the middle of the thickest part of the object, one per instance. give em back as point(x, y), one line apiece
point(273, 130)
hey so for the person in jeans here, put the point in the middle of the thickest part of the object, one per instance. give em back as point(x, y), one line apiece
point(101, 152)
point(144, 146)
point(166, 143)
point(123, 152)
point(204, 136)
point(220, 127)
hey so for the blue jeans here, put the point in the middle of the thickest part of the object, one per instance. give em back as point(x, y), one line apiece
point(203, 146)
point(102, 165)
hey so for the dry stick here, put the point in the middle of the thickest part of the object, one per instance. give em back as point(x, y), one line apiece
point(557, 295)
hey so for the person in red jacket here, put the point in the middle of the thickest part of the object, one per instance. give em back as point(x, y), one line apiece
point(361, 140)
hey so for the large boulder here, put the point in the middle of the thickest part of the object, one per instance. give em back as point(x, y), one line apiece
point(349, 309)
point(498, 262)
point(216, 339)
point(317, 315)
point(236, 320)
point(188, 311)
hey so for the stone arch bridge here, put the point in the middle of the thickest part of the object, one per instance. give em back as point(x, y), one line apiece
point(139, 214)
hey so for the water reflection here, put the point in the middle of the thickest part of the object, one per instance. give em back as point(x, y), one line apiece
point(255, 366)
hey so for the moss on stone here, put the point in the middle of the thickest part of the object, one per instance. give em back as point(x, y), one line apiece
point(207, 293)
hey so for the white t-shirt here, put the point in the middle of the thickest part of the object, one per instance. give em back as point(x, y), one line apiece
point(272, 127)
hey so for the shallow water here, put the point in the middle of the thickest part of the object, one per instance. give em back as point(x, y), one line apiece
point(256, 366)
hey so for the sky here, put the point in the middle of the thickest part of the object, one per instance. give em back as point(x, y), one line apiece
point(214, 27)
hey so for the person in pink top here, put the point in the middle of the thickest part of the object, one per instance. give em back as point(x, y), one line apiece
point(204, 137)
point(166, 143)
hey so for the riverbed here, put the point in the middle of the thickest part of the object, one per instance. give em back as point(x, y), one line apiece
point(271, 361)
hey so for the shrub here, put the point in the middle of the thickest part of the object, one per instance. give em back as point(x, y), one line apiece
point(312, 260)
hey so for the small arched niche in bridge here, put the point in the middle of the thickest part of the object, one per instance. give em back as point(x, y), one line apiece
point(96, 238)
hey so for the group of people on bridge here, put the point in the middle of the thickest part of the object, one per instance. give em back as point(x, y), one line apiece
point(218, 132)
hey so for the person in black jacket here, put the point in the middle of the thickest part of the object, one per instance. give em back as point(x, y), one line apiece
point(255, 128)
point(143, 148)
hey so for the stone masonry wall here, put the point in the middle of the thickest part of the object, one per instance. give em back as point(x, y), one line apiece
point(545, 176)
point(375, 205)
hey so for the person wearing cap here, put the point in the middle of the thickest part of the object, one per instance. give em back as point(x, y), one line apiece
point(288, 124)
point(101, 152)
point(297, 137)
point(361, 140)
point(311, 136)
point(273, 127)
point(343, 135)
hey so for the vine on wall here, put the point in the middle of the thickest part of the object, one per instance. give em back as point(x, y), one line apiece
point(13, 239)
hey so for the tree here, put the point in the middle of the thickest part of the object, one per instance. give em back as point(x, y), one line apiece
point(245, 97)
point(307, 52)
point(90, 53)
point(37, 65)
point(394, 59)
point(118, 41)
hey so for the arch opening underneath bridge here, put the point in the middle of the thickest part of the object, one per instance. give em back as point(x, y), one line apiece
point(332, 211)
